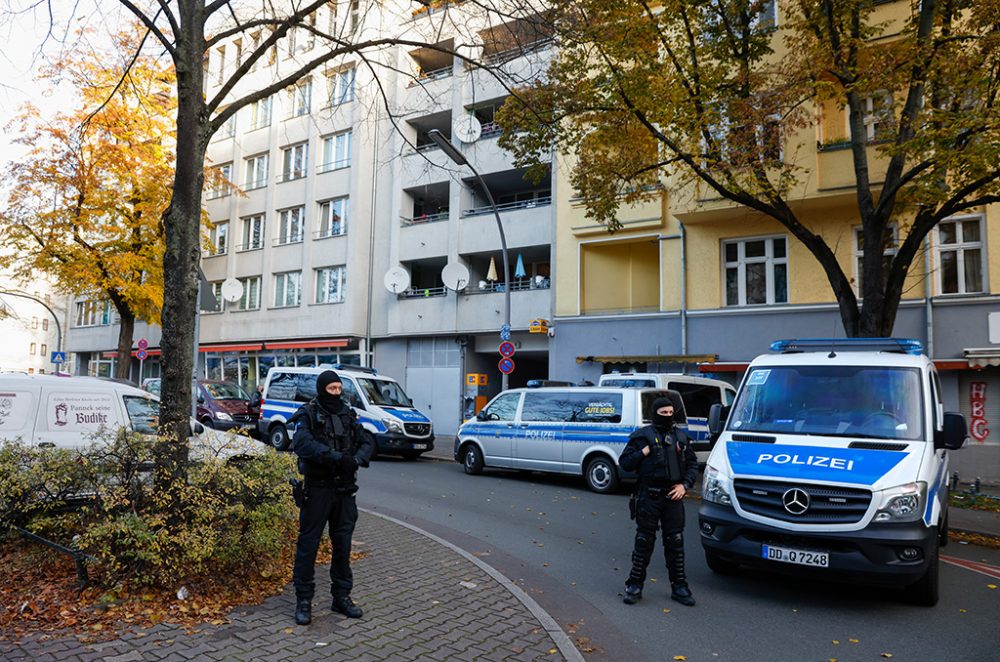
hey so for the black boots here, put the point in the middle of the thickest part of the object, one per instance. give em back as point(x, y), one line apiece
point(633, 594)
point(675, 568)
point(346, 606)
point(682, 594)
point(303, 611)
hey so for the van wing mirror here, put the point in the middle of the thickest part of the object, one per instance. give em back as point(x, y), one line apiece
point(954, 432)
point(717, 416)
point(481, 416)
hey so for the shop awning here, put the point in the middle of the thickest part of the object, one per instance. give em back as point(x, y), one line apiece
point(652, 358)
point(723, 366)
point(232, 347)
point(982, 357)
point(308, 344)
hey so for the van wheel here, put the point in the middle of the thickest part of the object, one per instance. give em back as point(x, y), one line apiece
point(278, 437)
point(601, 474)
point(925, 591)
point(472, 460)
point(719, 565)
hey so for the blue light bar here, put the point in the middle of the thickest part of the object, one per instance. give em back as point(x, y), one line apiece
point(899, 345)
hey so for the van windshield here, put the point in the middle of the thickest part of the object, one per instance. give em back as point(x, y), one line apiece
point(384, 393)
point(143, 414)
point(225, 391)
point(841, 401)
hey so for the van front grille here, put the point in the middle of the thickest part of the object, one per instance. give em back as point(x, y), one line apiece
point(417, 429)
point(825, 504)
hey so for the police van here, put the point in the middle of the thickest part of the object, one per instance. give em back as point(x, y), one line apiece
point(699, 394)
point(382, 407)
point(834, 462)
point(569, 430)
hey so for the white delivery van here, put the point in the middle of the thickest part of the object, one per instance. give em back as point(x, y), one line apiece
point(699, 394)
point(569, 430)
point(382, 407)
point(72, 412)
point(834, 462)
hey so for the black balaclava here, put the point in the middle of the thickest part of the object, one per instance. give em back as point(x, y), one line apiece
point(660, 421)
point(331, 403)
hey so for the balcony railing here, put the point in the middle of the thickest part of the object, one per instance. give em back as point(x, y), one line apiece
point(491, 130)
point(284, 241)
point(436, 74)
point(215, 250)
point(427, 147)
point(516, 285)
point(215, 194)
point(255, 184)
point(424, 218)
point(337, 231)
point(250, 246)
point(291, 176)
point(508, 206)
point(424, 292)
point(513, 53)
point(333, 165)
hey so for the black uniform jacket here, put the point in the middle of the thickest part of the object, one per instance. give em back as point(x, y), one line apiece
point(323, 438)
point(671, 459)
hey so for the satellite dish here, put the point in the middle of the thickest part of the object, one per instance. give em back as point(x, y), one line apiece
point(467, 129)
point(396, 280)
point(455, 276)
point(232, 290)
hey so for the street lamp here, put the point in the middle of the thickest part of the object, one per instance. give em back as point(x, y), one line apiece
point(452, 152)
point(51, 312)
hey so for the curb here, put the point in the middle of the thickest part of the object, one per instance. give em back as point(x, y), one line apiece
point(561, 639)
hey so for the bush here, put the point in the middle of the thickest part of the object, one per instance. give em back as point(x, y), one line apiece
point(229, 515)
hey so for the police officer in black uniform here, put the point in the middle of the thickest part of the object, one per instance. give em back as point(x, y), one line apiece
point(667, 467)
point(331, 446)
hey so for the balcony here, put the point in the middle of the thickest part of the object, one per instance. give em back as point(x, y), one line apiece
point(432, 64)
point(424, 218)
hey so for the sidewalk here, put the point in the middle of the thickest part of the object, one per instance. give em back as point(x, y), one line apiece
point(423, 599)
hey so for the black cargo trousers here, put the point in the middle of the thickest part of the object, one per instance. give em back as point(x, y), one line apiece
point(325, 505)
point(655, 510)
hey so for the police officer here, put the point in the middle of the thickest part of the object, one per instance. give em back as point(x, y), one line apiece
point(667, 467)
point(331, 446)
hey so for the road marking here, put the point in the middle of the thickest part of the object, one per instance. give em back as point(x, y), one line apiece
point(975, 566)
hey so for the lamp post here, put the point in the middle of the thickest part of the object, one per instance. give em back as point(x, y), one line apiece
point(51, 312)
point(452, 152)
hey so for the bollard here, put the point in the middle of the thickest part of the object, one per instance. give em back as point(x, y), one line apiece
point(976, 486)
point(954, 481)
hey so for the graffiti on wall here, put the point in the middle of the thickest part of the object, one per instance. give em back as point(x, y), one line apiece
point(979, 426)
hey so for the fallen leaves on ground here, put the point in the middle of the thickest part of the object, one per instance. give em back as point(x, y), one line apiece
point(38, 594)
point(975, 539)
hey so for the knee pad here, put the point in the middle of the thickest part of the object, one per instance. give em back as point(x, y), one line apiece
point(674, 541)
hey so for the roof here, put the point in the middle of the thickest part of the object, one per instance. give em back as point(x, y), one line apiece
point(886, 359)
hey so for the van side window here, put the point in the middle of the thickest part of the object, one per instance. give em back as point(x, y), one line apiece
point(351, 396)
point(503, 408)
point(698, 398)
point(143, 413)
point(553, 407)
point(282, 386)
point(305, 387)
point(595, 408)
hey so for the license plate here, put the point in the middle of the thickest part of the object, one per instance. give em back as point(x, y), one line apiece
point(797, 556)
point(419, 447)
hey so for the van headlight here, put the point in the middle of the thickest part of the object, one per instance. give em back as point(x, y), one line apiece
point(392, 425)
point(223, 416)
point(901, 503)
point(717, 487)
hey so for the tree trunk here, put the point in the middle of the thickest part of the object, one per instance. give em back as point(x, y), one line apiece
point(126, 331)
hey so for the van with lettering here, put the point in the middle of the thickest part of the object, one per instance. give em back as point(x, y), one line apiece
point(569, 430)
point(833, 462)
point(383, 408)
point(51, 411)
point(699, 394)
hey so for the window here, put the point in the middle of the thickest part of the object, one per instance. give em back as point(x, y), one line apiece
point(756, 271)
point(744, 143)
point(698, 398)
point(877, 116)
point(219, 238)
point(32, 349)
point(217, 293)
point(299, 98)
point(504, 408)
point(43, 350)
point(341, 85)
point(336, 151)
point(960, 255)
point(333, 217)
point(220, 178)
point(330, 284)
point(566, 407)
point(251, 294)
point(220, 65)
point(888, 253)
point(290, 225)
point(228, 128)
point(260, 113)
point(34, 322)
point(287, 289)
point(353, 19)
point(253, 233)
point(45, 325)
point(92, 313)
point(256, 172)
point(143, 413)
point(294, 161)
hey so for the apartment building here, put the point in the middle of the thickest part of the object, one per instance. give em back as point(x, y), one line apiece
point(32, 324)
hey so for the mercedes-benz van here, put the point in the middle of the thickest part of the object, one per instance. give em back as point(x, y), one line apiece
point(382, 407)
point(834, 462)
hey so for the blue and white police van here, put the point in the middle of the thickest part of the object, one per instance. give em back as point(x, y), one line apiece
point(834, 462)
point(568, 430)
point(382, 406)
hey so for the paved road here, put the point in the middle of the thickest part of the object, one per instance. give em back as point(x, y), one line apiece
point(569, 549)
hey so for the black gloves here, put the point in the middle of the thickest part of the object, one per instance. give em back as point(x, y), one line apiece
point(348, 464)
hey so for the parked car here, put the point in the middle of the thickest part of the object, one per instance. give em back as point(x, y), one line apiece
point(221, 405)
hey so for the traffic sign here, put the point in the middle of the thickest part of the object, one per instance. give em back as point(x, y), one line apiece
point(142, 355)
point(506, 349)
point(506, 366)
point(58, 357)
point(142, 344)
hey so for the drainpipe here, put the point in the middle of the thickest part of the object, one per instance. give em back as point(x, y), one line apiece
point(369, 356)
point(683, 237)
point(928, 291)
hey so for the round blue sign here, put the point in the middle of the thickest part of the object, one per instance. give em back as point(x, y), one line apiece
point(506, 366)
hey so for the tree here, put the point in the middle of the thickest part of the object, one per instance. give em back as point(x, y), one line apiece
point(86, 199)
point(707, 93)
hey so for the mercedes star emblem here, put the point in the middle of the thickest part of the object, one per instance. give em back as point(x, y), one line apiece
point(796, 501)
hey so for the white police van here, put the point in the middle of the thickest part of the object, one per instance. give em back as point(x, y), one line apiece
point(569, 430)
point(834, 462)
point(699, 394)
point(382, 407)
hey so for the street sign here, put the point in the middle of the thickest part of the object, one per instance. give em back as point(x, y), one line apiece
point(142, 355)
point(507, 349)
point(58, 357)
point(142, 344)
point(506, 366)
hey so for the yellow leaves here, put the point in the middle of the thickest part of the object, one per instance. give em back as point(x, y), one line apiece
point(886, 655)
point(680, 658)
point(991, 586)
